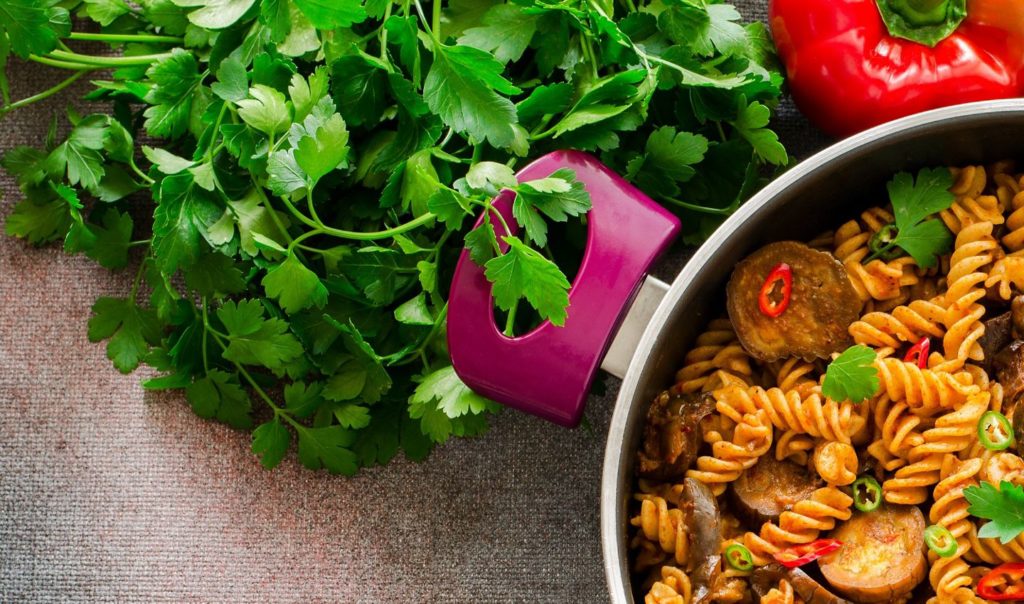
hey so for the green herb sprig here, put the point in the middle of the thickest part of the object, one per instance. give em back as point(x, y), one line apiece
point(912, 231)
point(315, 169)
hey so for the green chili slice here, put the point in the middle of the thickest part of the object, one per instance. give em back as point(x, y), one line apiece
point(940, 540)
point(739, 557)
point(995, 431)
point(867, 494)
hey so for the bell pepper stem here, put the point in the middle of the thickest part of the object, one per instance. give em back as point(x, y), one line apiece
point(921, 12)
point(925, 21)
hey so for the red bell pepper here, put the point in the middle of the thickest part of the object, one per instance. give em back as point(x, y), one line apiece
point(1003, 583)
point(853, 64)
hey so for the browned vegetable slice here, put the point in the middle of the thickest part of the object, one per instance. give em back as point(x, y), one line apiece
point(810, 591)
point(672, 434)
point(1017, 317)
point(998, 334)
point(822, 304)
point(1009, 366)
point(882, 557)
point(705, 533)
point(769, 488)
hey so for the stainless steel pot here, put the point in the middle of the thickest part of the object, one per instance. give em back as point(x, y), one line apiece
point(816, 195)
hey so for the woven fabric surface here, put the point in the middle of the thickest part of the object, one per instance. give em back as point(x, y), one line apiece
point(112, 494)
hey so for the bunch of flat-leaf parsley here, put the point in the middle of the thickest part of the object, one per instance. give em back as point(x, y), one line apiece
point(315, 168)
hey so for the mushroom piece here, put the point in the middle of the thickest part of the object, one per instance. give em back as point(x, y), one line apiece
point(821, 304)
point(882, 557)
point(672, 435)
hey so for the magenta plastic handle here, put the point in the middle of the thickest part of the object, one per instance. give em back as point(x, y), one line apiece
point(548, 371)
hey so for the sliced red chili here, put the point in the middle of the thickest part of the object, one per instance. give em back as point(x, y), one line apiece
point(798, 555)
point(1004, 582)
point(918, 353)
point(776, 291)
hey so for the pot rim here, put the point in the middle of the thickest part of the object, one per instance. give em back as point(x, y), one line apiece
point(617, 461)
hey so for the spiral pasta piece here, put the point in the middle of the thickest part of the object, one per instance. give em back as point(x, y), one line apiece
point(802, 524)
point(897, 427)
point(924, 390)
point(751, 439)
point(1007, 275)
point(972, 253)
point(783, 594)
point(664, 526)
point(875, 280)
point(905, 323)
point(717, 348)
point(795, 374)
point(836, 462)
point(674, 588)
point(793, 446)
point(812, 414)
point(1013, 240)
point(953, 432)
point(949, 576)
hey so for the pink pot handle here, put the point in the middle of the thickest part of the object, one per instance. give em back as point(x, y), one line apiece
point(548, 371)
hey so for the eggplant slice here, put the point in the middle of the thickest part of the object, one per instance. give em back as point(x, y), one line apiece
point(672, 435)
point(883, 554)
point(769, 488)
point(822, 304)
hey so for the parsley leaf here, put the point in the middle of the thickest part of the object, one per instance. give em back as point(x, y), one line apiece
point(852, 375)
point(912, 202)
point(219, 396)
point(1002, 506)
point(271, 441)
point(327, 447)
point(558, 197)
point(32, 26)
point(294, 286)
point(464, 87)
point(522, 272)
point(453, 397)
point(130, 329)
point(171, 98)
point(506, 32)
point(255, 340)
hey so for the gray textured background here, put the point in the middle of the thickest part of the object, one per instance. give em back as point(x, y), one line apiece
point(108, 493)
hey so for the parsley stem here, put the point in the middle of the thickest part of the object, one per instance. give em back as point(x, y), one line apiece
point(698, 208)
point(426, 23)
point(415, 353)
point(206, 329)
point(141, 38)
point(721, 131)
point(435, 19)
point(510, 321)
point(140, 242)
point(270, 210)
point(312, 206)
point(359, 235)
point(489, 207)
point(62, 64)
point(137, 280)
point(140, 173)
point(44, 94)
point(108, 61)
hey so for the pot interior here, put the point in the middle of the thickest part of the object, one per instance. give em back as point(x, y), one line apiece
point(817, 195)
